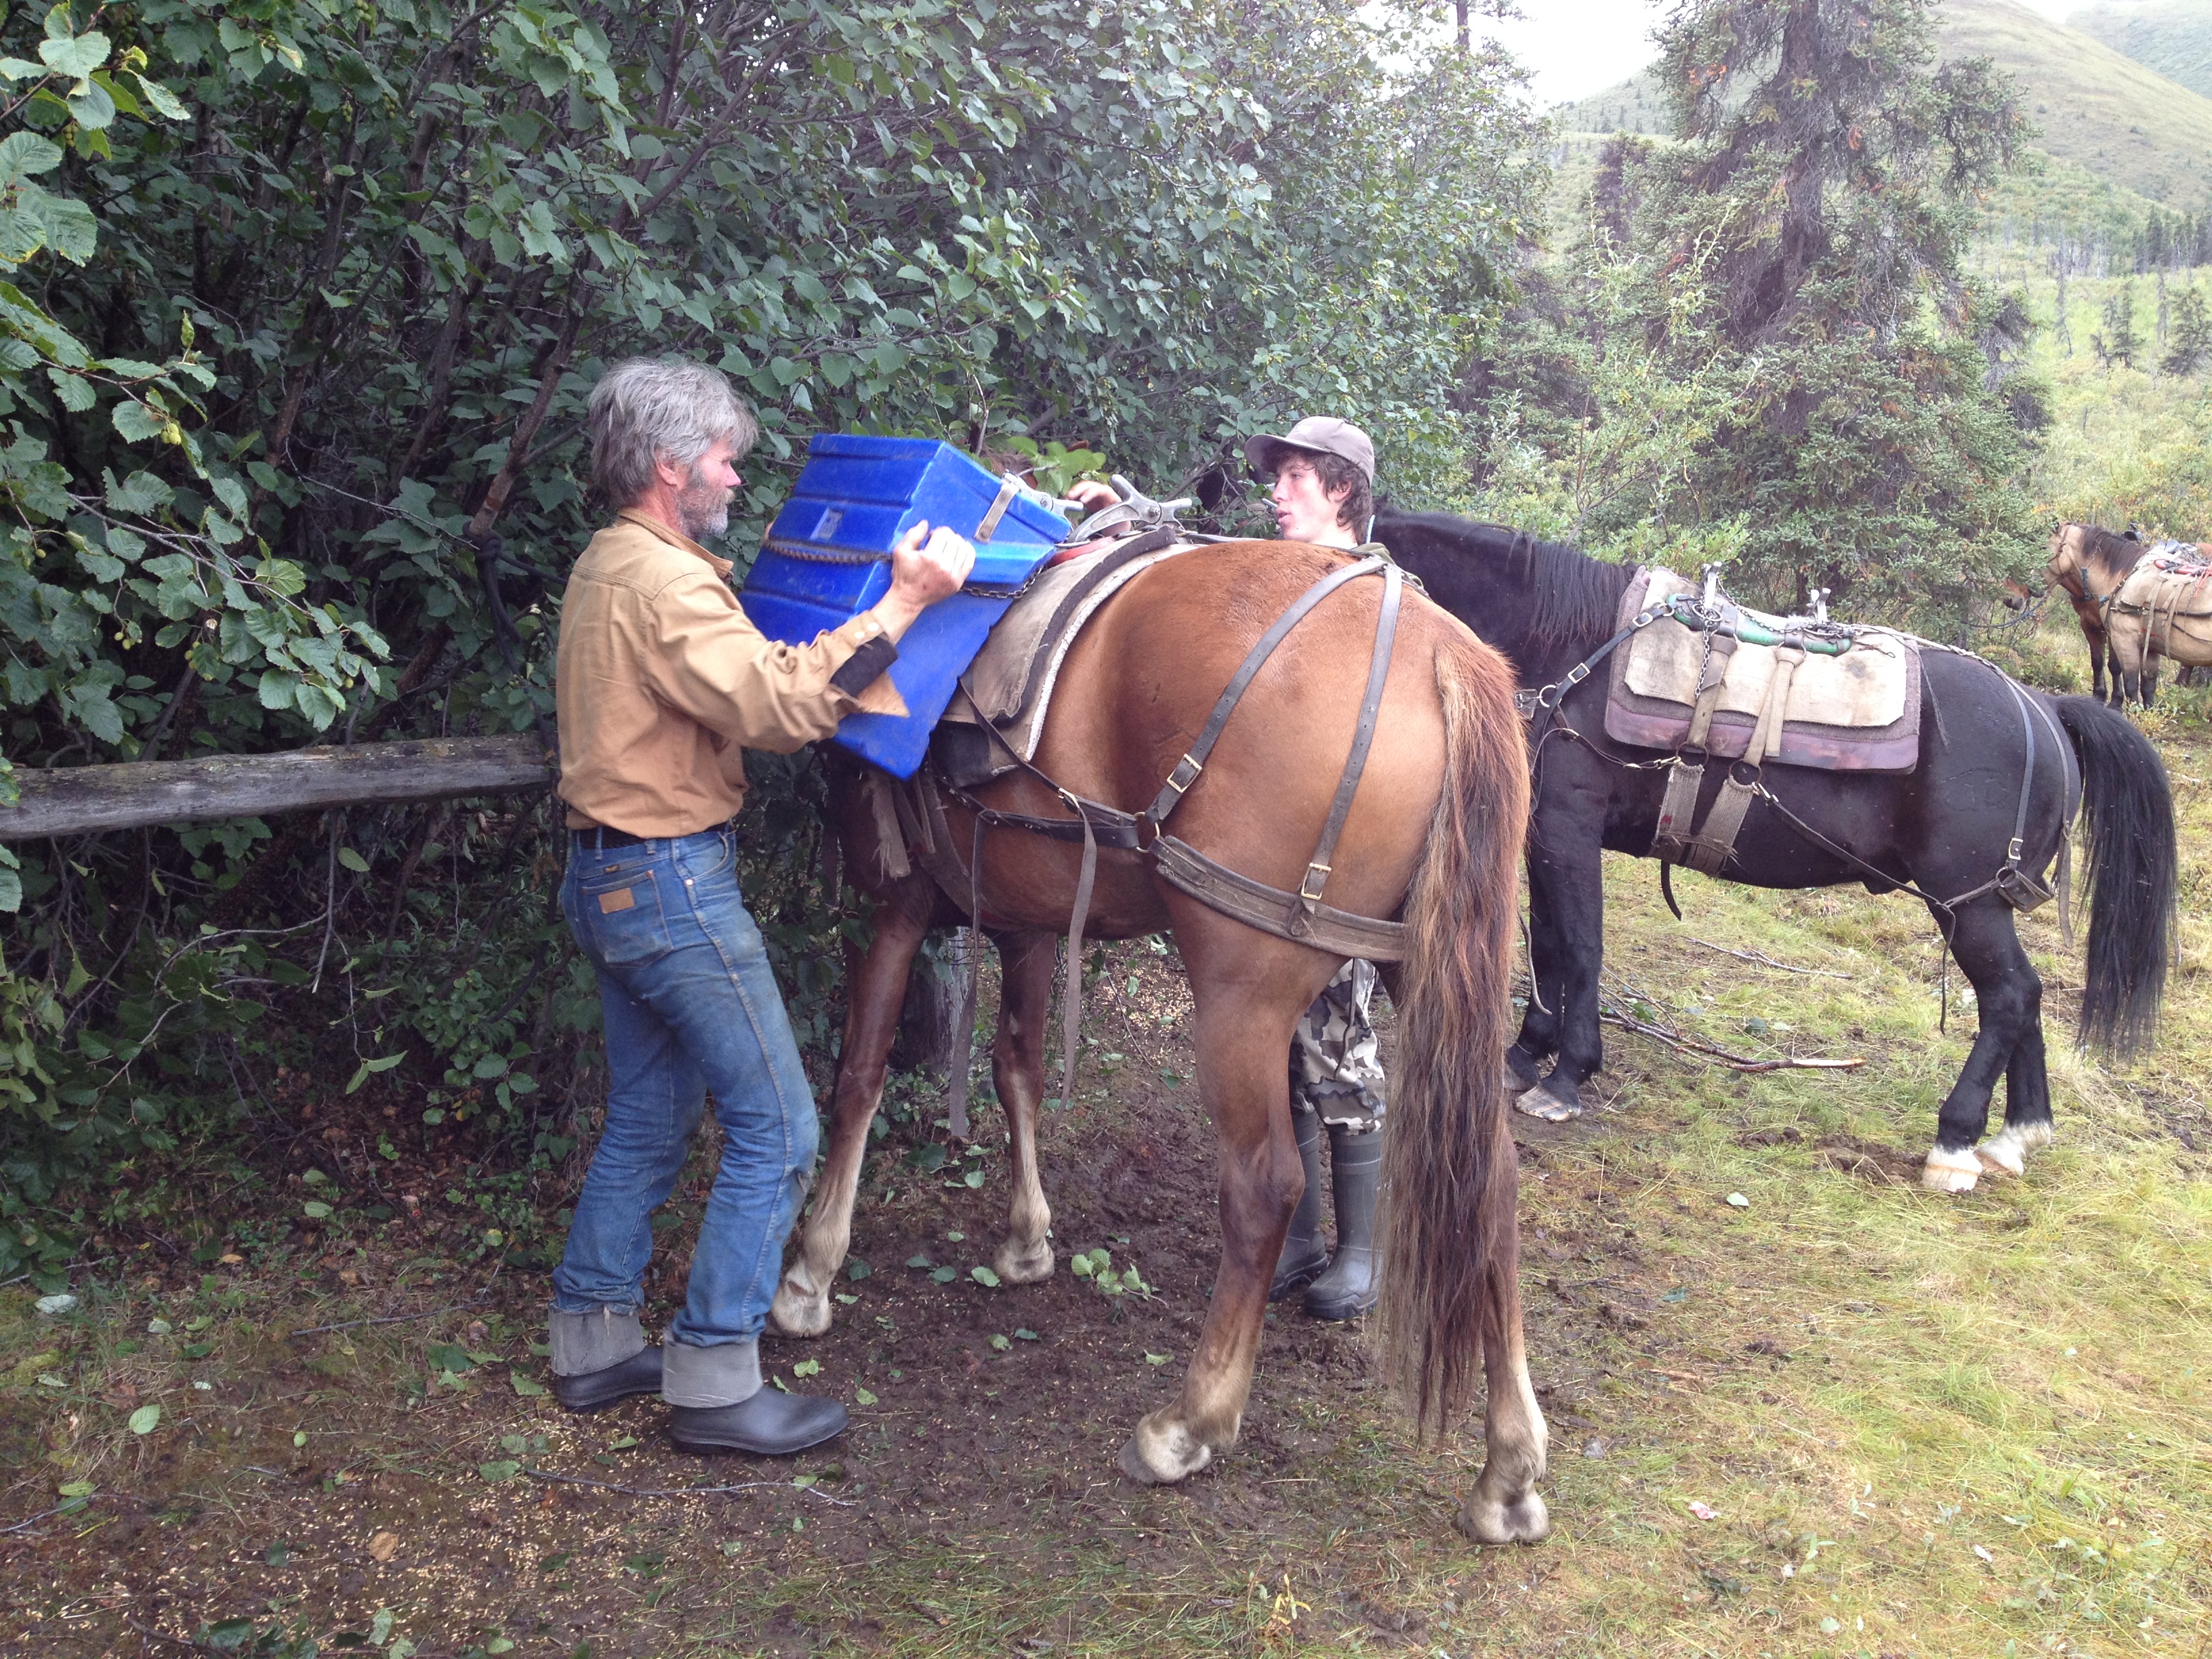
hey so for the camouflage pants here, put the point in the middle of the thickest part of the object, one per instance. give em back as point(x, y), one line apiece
point(1336, 1068)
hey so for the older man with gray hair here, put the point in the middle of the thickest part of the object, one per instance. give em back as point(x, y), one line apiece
point(663, 684)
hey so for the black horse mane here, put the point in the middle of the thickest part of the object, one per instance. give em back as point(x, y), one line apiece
point(1572, 596)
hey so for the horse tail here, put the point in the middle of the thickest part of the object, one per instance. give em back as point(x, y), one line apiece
point(2128, 852)
point(1450, 1254)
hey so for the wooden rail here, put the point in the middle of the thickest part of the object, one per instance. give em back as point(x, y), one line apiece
point(88, 799)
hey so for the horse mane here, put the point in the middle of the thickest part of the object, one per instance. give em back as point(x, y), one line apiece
point(2096, 542)
point(1572, 598)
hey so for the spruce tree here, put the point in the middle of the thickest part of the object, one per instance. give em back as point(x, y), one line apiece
point(2192, 336)
point(1818, 208)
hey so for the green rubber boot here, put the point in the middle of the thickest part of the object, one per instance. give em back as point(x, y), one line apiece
point(1304, 1255)
point(1349, 1288)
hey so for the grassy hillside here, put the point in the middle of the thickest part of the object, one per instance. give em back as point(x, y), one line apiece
point(2173, 37)
point(2106, 120)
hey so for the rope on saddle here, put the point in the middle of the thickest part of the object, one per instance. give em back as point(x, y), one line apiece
point(1300, 916)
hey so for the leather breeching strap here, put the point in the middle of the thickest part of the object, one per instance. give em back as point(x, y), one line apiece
point(1302, 916)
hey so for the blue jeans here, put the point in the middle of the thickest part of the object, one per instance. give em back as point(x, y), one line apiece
point(690, 1008)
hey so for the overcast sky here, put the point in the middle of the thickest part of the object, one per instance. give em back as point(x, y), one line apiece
point(1576, 47)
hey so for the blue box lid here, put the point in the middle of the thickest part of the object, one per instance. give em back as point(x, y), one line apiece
point(858, 495)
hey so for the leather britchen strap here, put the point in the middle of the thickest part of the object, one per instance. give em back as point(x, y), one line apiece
point(1363, 738)
point(1194, 761)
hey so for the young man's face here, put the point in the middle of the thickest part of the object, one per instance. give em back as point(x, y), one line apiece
point(1304, 511)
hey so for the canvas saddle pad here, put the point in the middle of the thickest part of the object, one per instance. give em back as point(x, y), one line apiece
point(1859, 712)
point(1013, 675)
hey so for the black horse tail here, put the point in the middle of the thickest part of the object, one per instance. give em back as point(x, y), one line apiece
point(2127, 852)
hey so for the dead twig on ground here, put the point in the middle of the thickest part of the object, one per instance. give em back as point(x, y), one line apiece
point(1769, 962)
point(685, 1491)
point(1713, 1055)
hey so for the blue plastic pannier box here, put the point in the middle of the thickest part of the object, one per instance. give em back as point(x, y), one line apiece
point(827, 558)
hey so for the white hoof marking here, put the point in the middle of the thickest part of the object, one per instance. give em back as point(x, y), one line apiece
point(1161, 1453)
point(1540, 1101)
point(1951, 1172)
point(1487, 1521)
point(2006, 1152)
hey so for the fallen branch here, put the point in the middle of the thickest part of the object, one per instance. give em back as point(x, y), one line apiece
point(685, 1491)
point(1769, 962)
point(1707, 1052)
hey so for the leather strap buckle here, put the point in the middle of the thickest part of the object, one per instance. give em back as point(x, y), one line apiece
point(1185, 775)
point(1316, 878)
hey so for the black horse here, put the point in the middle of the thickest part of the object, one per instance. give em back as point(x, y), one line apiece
point(1944, 827)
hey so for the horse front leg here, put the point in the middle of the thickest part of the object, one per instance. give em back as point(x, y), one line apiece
point(2009, 997)
point(1243, 1033)
point(1025, 962)
point(1566, 865)
point(873, 998)
point(1540, 1021)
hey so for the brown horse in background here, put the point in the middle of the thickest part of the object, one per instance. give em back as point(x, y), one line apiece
point(2088, 564)
point(1435, 835)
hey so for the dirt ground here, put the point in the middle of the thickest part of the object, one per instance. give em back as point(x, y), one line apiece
point(1797, 1405)
point(417, 1467)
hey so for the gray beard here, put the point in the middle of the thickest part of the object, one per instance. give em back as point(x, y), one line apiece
point(704, 510)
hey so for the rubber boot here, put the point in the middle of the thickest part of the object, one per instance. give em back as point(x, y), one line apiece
point(1303, 1254)
point(1348, 1288)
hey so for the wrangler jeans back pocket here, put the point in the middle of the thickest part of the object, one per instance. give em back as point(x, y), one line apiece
point(619, 914)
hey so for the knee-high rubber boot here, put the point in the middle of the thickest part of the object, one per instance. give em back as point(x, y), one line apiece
point(1348, 1288)
point(1303, 1254)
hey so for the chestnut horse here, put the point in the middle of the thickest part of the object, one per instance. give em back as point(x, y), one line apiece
point(1434, 835)
point(2088, 564)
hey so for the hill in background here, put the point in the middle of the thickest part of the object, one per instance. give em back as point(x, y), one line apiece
point(2173, 37)
point(2120, 135)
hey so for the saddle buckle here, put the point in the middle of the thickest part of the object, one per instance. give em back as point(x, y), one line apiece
point(1316, 878)
point(1185, 775)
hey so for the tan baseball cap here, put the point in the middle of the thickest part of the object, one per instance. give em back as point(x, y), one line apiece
point(1317, 435)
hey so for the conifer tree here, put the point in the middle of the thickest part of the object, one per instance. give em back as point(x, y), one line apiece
point(1819, 199)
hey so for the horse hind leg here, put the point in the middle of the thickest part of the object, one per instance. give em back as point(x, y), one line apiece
point(1244, 1032)
point(1505, 1507)
point(1017, 1068)
point(2027, 1126)
point(871, 1016)
point(2008, 995)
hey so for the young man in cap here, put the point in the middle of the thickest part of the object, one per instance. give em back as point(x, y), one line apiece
point(1323, 493)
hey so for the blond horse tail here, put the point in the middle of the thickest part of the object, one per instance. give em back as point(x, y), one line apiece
point(1450, 1232)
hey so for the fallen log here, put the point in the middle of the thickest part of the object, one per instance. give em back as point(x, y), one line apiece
point(89, 799)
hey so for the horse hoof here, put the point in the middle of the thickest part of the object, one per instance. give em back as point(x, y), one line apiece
point(1024, 1264)
point(1951, 1172)
point(1161, 1454)
point(799, 1310)
point(1545, 1103)
point(1486, 1520)
point(2006, 1152)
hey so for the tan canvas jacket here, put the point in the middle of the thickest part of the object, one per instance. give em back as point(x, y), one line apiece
point(662, 682)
